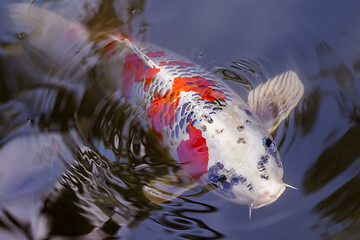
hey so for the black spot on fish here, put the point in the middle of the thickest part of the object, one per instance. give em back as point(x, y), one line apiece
point(265, 159)
point(261, 164)
point(217, 100)
point(241, 140)
point(172, 134)
point(202, 86)
point(248, 121)
point(208, 118)
point(212, 113)
point(219, 131)
point(217, 108)
point(264, 177)
point(215, 178)
point(250, 187)
point(219, 165)
point(238, 179)
point(189, 83)
point(203, 128)
point(210, 103)
point(240, 128)
point(267, 142)
point(206, 107)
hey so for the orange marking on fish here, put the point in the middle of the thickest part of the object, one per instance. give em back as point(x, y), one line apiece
point(165, 103)
point(199, 85)
point(158, 116)
point(135, 70)
point(149, 76)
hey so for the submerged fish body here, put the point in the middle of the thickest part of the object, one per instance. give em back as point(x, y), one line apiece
point(218, 138)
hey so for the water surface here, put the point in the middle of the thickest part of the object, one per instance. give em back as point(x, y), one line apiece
point(74, 156)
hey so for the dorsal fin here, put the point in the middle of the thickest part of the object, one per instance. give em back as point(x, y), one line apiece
point(273, 100)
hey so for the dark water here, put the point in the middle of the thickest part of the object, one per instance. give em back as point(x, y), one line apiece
point(74, 158)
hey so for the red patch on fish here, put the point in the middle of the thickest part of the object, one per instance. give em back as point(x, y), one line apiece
point(149, 76)
point(200, 85)
point(136, 70)
point(193, 153)
point(161, 112)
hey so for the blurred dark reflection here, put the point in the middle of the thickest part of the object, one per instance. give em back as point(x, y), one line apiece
point(343, 207)
point(120, 17)
point(340, 210)
point(308, 115)
point(334, 160)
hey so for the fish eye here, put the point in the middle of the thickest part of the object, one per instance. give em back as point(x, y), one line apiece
point(268, 142)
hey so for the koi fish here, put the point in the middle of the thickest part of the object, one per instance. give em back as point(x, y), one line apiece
point(218, 138)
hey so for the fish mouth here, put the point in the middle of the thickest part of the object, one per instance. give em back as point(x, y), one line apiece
point(271, 200)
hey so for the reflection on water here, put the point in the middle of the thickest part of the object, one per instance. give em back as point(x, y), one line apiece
point(74, 156)
point(337, 158)
point(345, 211)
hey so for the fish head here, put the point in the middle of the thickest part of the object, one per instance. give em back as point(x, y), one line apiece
point(246, 168)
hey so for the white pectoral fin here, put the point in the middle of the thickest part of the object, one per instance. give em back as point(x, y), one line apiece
point(273, 101)
point(169, 187)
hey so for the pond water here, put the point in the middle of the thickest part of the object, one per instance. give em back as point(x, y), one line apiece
point(74, 158)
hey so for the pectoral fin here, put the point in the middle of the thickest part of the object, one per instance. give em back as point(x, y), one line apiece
point(273, 101)
point(168, 187)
